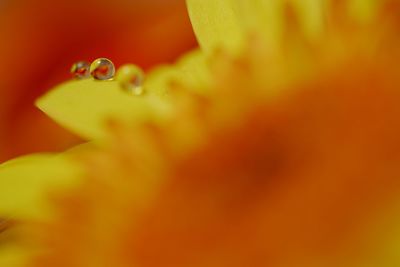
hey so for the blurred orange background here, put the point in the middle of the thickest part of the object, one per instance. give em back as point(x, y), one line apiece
point(41, 39)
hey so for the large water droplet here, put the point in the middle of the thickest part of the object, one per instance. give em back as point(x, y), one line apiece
point(102, 69)
point(131, 78)
point(80, 69)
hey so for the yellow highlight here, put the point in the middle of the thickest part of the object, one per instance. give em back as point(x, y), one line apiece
point(364, 10)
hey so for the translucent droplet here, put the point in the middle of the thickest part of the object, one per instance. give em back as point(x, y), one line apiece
point(80, 70)
point(102, 69)
point(130, 78)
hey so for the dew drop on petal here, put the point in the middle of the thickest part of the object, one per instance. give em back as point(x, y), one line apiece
point(102, 69)
point(80, 69)
point(130, 78)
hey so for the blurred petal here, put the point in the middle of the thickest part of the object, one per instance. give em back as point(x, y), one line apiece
point(12, 255)
point(228, 24)
point(216, 24)
point(191, 70)
point(364, 10)
point(26, 182)
point(194, 70)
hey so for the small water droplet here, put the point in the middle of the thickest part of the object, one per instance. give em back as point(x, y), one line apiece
point(80, 69)
point(131, 78)
point(102, 69)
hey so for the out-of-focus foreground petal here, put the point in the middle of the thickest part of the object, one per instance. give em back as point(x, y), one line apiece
point(41, 39)
point(26, 187)
point(26, 182)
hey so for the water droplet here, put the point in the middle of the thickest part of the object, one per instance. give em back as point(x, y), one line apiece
point(80, 69)
point(102, 69)
point(130, 78)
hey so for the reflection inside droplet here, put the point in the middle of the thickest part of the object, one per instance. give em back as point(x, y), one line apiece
point(102, 69)
point(80, 69)
point(130, 78)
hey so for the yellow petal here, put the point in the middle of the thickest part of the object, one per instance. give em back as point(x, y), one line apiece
point(12, 255)
point(263, 19)
point(216, 24)
point(226, 24)
point(26, 182)
point(193, 71)
point(84, 106)
point(311, 14)
point(363, 10)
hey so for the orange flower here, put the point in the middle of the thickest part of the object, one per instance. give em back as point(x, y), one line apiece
point(288, 156)
point(295, 177)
